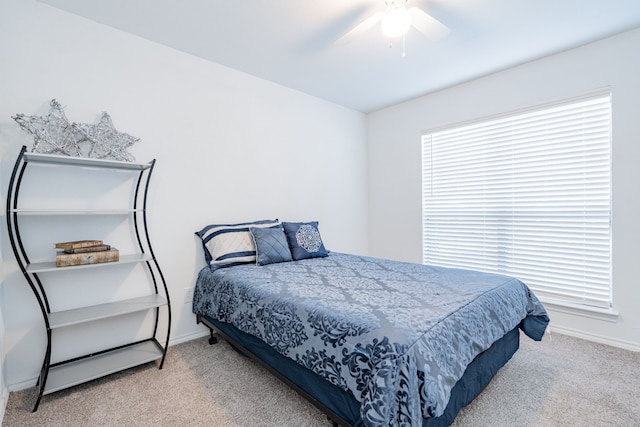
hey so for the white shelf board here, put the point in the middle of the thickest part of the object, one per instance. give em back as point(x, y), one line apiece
point(60, 319)
point(75, 211)
point(41, 267)
point(83, 161)
point(83, 370)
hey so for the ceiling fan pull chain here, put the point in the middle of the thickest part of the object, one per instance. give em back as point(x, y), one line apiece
point(403, 51)
point(403, 47)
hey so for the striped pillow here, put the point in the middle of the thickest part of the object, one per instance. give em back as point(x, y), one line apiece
point(231, 244)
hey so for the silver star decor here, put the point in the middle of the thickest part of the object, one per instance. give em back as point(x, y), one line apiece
point(53, 134)
point(106, 141)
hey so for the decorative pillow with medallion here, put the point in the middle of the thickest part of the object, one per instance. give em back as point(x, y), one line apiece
point(304, 240)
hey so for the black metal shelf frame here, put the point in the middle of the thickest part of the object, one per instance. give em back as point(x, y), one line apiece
point(109, 360)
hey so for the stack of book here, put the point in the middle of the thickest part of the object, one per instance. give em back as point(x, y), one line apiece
point(85, 252)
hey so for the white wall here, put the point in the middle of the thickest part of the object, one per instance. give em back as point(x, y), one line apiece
point(229, 147)
point(395, 161)
point(4, 392)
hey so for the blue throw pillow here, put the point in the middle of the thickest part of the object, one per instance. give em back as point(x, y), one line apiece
point(231, 244)
point(271, 245)
point(304, 240)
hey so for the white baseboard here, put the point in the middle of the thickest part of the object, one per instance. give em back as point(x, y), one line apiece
point(4, 394)
point(22, 385)
point(596, 338)
point(189, 337)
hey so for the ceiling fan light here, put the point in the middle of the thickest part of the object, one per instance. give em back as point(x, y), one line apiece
point(396, 22)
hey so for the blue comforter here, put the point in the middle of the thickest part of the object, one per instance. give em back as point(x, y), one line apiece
point(397, 335)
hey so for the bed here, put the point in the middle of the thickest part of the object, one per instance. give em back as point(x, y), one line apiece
point(369, 341)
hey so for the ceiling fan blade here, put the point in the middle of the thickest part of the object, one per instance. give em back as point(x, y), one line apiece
point(427, 24)
point(360, 28)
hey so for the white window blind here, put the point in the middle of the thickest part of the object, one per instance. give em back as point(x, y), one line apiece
point(526, 195)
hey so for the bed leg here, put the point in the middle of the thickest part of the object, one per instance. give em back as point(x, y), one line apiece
point(212, 339)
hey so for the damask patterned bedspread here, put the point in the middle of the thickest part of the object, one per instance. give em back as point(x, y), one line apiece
point(397, 335)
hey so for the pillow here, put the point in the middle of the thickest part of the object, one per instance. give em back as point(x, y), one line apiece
point(230, 244)
point(271, 245)
point(304, 240)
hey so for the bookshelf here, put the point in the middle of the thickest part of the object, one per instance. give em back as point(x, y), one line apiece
point(57, 375)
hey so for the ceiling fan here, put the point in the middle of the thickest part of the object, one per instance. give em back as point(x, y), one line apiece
point(396, 20)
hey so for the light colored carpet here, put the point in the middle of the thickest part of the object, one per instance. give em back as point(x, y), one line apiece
point(561, 381)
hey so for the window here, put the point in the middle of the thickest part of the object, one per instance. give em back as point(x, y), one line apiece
point(528, 195)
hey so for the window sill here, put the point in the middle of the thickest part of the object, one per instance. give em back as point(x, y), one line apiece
point(606, 314)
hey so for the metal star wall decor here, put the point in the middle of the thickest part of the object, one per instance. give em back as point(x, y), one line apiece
point(106, 141)
point(53, 134)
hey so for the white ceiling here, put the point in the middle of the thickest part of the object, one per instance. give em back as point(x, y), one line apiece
point(291, 42)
